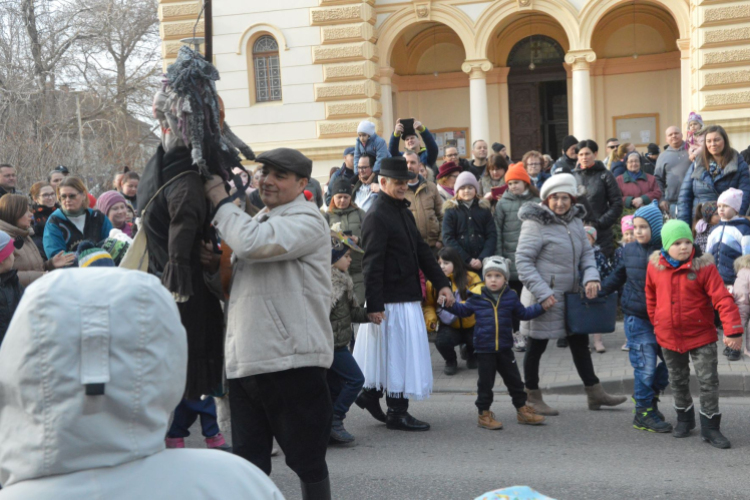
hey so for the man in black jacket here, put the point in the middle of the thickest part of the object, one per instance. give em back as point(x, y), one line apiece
point(394, 254)
point(7, 179)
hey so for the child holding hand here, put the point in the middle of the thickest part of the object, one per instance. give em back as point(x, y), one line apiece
point(682, 290)
point(495, 306)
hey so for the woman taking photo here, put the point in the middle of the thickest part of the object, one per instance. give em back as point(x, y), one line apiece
point(44, 202)
point(493, 177)
point(716, 168)
point(602, 195)
point(74, 221)
point(468, 225)
point(446, 179)
point(115, 207)
point(345, 216)
point(553, 252)
point(16, 219)
point(638, 188)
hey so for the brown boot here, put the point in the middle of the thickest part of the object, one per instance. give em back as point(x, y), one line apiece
point(597, 397)
point(540, 407)
point(528, 416)
point(487, 421)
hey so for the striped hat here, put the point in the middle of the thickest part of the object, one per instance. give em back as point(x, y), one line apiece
point(90, 256)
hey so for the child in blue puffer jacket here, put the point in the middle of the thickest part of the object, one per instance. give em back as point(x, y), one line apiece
point(730, 238)
point(495, 305)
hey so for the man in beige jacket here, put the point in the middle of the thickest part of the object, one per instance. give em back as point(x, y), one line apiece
point(279, 341)
point(425, 204)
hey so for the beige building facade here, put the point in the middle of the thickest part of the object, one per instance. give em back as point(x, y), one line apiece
point(525, 73)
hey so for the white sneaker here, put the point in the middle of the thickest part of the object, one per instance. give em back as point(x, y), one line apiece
point(519, 343)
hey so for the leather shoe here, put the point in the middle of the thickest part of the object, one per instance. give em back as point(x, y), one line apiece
point(405, 422)
point(372, 405)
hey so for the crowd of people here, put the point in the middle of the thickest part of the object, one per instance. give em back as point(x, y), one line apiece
point(299, 300)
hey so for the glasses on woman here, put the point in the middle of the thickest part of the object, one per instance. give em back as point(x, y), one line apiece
point(534, 164)
point(48, 195)
point(68, 196)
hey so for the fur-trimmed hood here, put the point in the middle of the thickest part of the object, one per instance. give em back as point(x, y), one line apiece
point(698, 262)
point(454, 203)
point(742, 263)
point(542, 214)
point(341, 283)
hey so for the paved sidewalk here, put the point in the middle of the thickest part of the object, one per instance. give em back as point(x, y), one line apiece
point(558, 374)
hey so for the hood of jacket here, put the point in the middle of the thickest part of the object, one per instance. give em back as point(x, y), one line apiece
point(596, 167)
point(341, 283)
point(543, 215)
point(701, 169)
point(697, 263)
point(453, 203)
point(75, 329)
point(742, 263)
point(15, 231)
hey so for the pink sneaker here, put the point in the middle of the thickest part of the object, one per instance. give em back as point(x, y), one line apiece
point(175, 442)
point(218, 442)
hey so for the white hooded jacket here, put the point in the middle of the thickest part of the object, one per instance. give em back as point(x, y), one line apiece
point(81, 330)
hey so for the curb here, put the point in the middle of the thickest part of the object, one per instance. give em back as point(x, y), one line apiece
point(731, 384)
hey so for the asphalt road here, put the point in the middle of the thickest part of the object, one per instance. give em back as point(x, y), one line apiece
point(578, 455)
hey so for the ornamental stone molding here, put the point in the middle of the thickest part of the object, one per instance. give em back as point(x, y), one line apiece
point(524, 4)
point(347, 33)
point(324, 3)
point(353, 109)
point(726, 57)
point(323, 16)
point(183, 10)
point(732, 13)
point(347, 128)
point(580, 59)
point(422, 11)
point(728, 99)
point(385, 76)
point(345, 53)
point(350, 71)
point(723, 36)
point(727, 78)
point(347, 90)
point(175, 31)
point(476, 68)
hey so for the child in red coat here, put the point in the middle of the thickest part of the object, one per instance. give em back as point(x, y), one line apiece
point(682, 291)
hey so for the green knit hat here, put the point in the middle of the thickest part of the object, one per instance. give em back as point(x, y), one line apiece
point(674, 230)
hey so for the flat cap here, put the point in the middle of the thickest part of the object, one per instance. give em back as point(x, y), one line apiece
point(287, 159)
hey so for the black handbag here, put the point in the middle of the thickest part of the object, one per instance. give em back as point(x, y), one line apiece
point(584, 316)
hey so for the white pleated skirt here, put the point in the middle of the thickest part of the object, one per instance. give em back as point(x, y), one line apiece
point(395, 355)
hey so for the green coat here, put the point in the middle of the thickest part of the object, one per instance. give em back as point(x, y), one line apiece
point(350, 219)
point(509, 226)
point(345, 308)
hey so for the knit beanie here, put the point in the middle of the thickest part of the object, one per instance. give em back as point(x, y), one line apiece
point(466, 179)
point(590, 230)
point(89, 255)
point(675, 230)
point(731, 197)
point(6, 246)
point(109, 199)
point(497, 147)
point(517, 172)
point(560, 183)
point(626, 223)
point(651, 214)
point(695, 117)
point(653, 149)
point(366, 127)
point(340, 185)
point(496, 263)
point(569, 141)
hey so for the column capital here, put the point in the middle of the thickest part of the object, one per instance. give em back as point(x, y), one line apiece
point(476, 68)
point(386, 73)
point(684, 45)
point(580, 59)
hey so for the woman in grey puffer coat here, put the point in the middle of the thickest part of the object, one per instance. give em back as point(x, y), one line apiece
point(553, 251)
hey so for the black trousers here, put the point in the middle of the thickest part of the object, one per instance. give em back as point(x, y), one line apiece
point(504, 363)
point(579, 348)
point(448, 338)
point(294, 406)
point(395, 405)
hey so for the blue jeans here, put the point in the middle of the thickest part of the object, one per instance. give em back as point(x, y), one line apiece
point(649, 370)
point(345, 380)
point(188, 411)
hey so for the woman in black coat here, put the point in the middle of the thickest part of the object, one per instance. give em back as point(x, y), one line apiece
point(468, 225)
point(603, 196)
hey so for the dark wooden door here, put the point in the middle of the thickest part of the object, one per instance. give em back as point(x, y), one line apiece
point(525, 118)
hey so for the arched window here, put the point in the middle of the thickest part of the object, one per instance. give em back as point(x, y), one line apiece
point(267, 69)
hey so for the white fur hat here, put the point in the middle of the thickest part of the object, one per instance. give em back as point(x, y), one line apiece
point(496, 263)
point(366, 127)
point(560, 183)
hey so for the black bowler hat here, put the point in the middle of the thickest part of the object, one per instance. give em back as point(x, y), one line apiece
point(287, 159)
point(395, 168)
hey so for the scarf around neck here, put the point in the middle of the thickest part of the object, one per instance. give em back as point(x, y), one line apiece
point(672, 262)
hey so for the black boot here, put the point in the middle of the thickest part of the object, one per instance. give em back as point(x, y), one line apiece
point(371, 403)
point(685, 422)
point(317, 491)
point(562, 343)
point(655, 406)
point(451, 367)
point(711, 432)
point(402, 421)
point(338, 433)
point(646, 419)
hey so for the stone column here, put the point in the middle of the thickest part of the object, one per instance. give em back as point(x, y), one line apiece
point(386, 101)
point(480, 119)
point(583, 116)
point(686, 75)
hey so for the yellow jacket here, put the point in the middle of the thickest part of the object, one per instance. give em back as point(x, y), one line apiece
point(430, 304)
